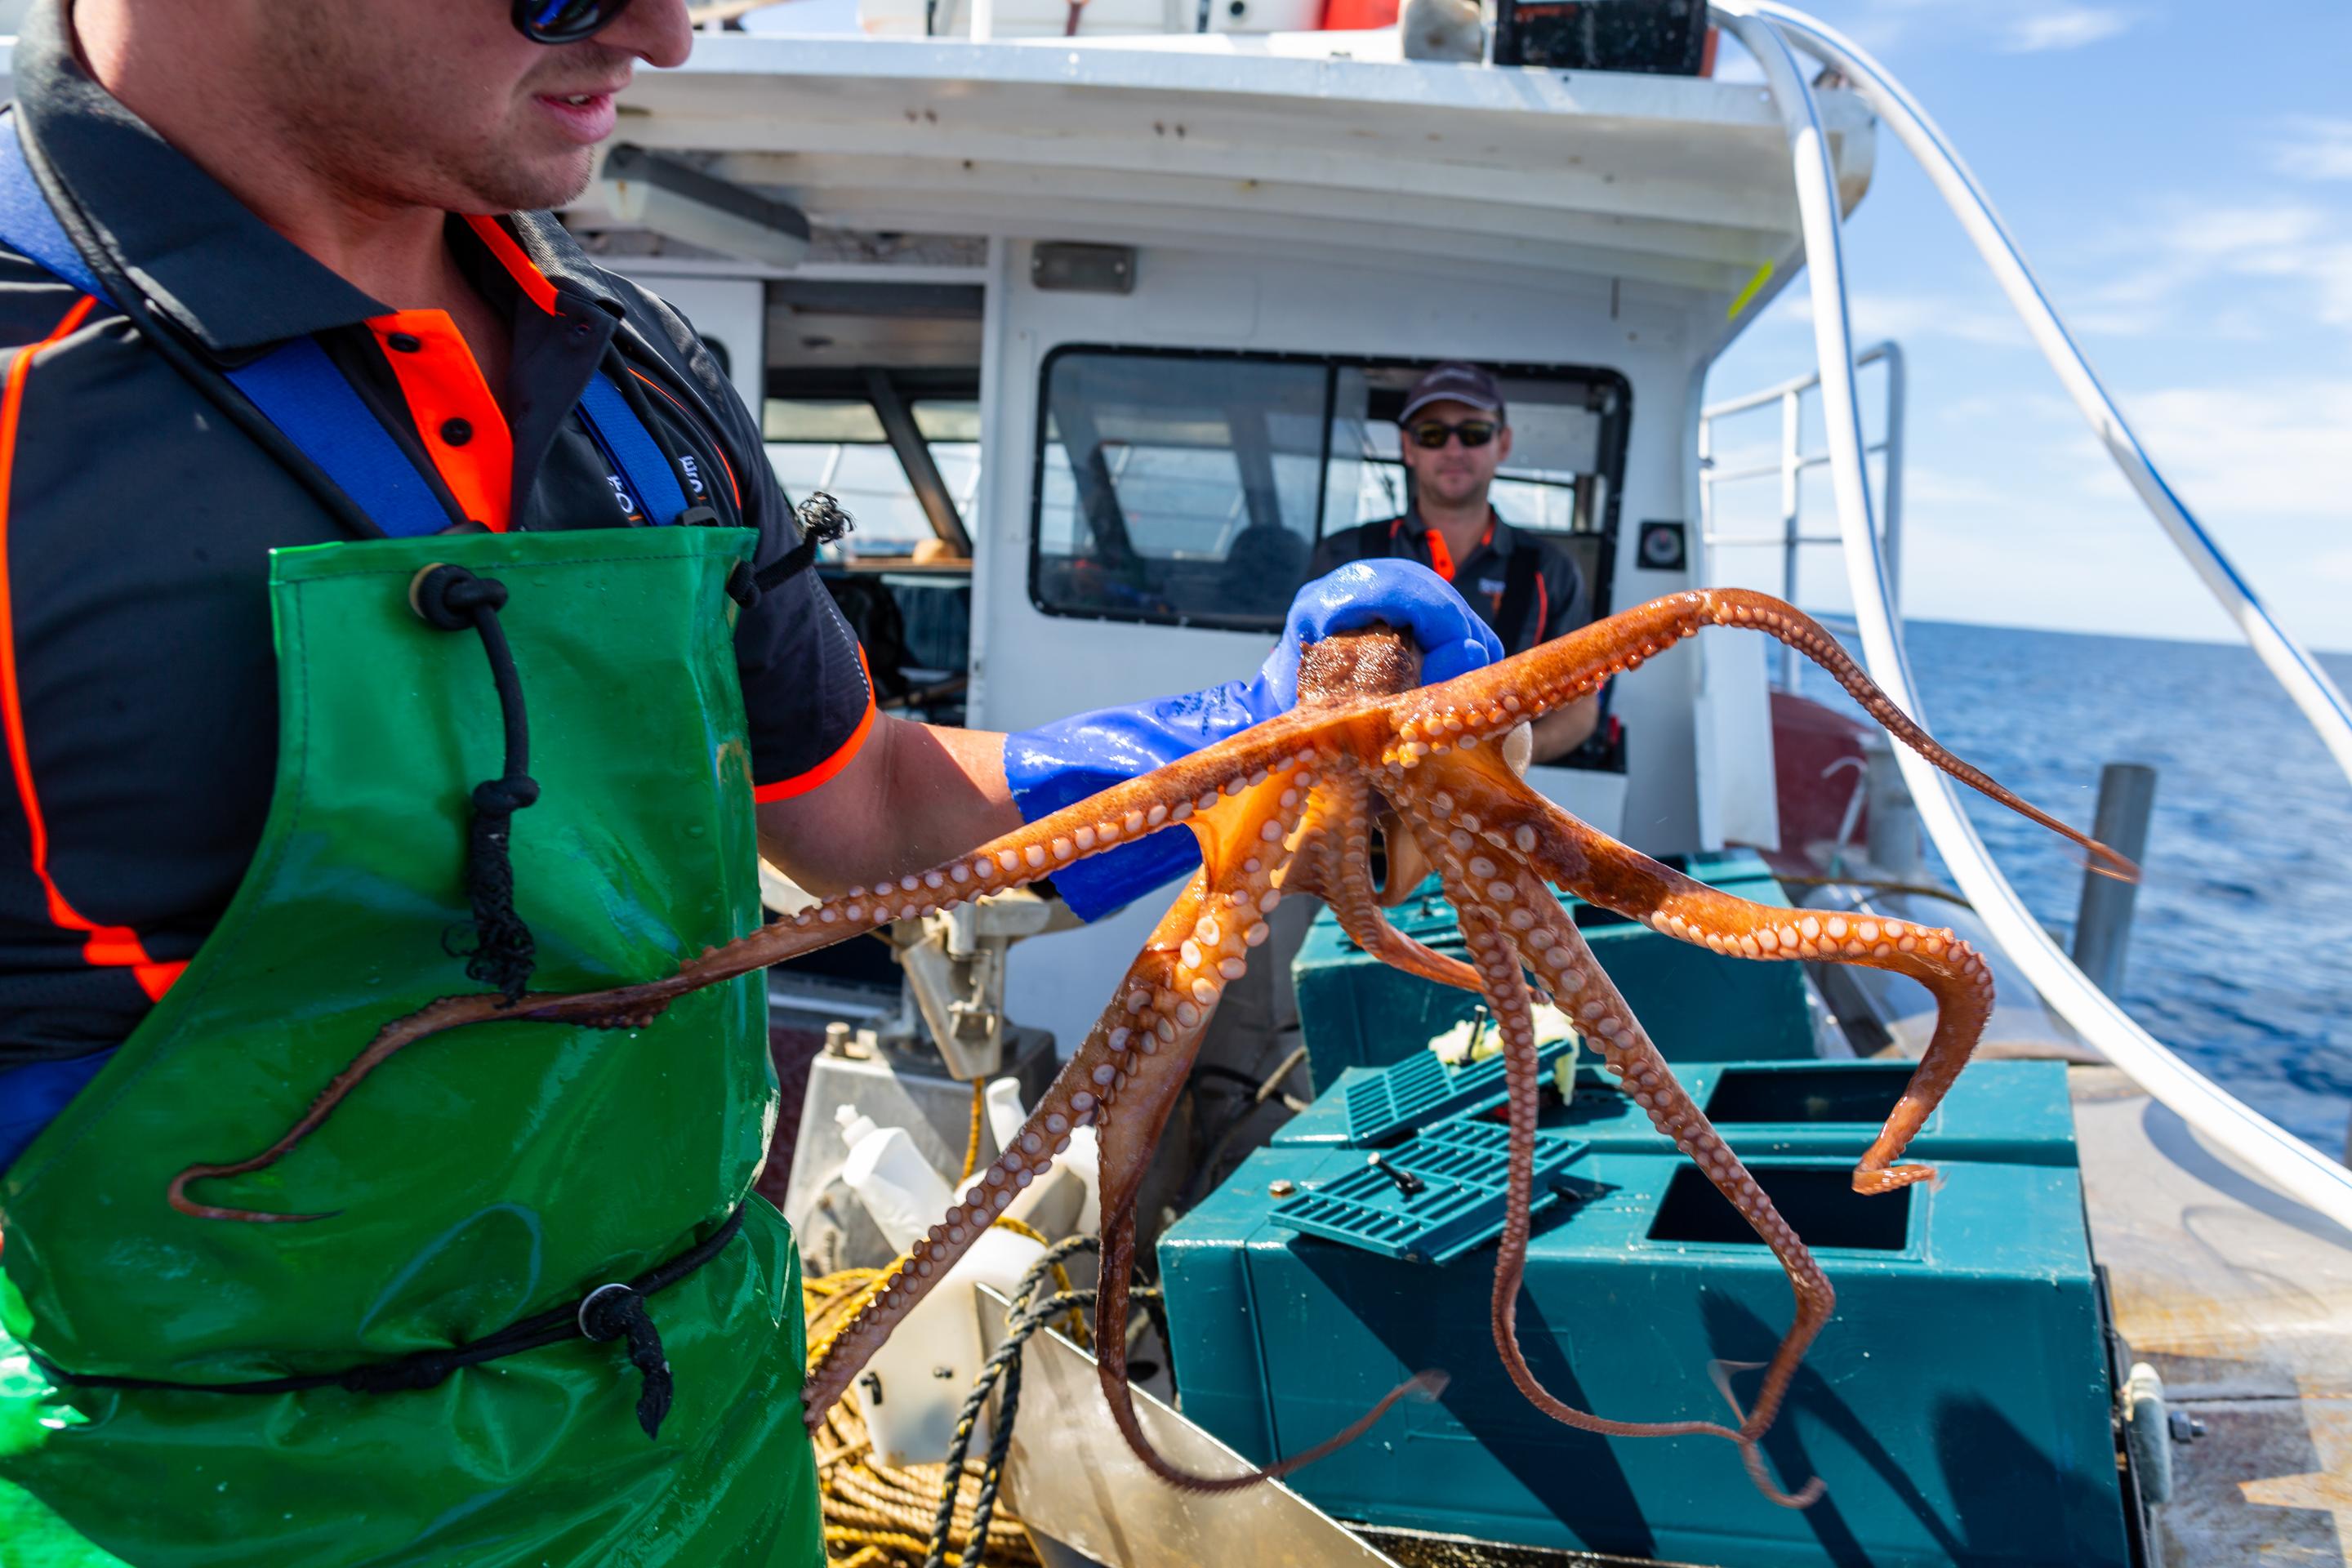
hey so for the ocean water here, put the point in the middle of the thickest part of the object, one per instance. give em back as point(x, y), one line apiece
point(2240, 954)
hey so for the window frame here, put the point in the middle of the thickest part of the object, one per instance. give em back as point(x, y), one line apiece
point(1615, 430)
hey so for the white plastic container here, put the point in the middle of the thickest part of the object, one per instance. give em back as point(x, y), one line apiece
point(892, 1178)
point(1064, 1201)
point(912, 1391)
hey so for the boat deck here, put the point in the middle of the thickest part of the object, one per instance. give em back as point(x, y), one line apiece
point(2241, 1300)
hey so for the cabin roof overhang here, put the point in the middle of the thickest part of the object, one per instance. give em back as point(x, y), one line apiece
point(1682, 181)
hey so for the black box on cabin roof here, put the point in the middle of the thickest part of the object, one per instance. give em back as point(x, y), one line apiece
point(1660, 38)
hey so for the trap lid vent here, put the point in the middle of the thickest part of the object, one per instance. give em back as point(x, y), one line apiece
point(1430, 1200)
point(1420, 1089)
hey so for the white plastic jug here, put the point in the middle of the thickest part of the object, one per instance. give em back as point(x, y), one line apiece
point(892, 1178)
point(1064, 1201)
point(912, 1391)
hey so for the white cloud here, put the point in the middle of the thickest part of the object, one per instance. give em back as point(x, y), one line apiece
point(2317, 149)
point(2274, 452)
point(2158, 265)
point(2068, 27)
point(1907, 317)
point(2334, 566)
point(2010, 402)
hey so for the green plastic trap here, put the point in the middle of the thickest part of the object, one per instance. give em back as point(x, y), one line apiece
point(1430, 1200)
point(1420, 1089)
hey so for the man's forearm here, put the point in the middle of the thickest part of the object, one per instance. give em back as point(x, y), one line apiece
point(1561, 733)
point(912, 797)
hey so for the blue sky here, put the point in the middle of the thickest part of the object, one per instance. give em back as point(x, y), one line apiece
point(2180, 177)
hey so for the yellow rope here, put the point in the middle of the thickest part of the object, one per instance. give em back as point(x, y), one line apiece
point(972, 1139)
point(877, 1516)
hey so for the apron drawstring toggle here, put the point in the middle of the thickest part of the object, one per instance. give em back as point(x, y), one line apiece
point(611, 1311)
point(499, 950)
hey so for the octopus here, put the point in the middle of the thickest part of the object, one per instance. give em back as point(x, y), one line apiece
point(1289, 808)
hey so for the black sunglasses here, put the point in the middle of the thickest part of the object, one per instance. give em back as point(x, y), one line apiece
point(564, 21)
point(1431, 434)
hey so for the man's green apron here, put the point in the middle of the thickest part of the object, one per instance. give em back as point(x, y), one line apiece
point(479, 1177)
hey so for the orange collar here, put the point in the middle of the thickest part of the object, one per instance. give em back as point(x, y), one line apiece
point(1441, 555)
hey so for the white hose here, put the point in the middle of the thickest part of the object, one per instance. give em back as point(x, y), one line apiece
point(2283, 1160)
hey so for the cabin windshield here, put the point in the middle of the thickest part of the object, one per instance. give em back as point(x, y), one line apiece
point(1193, 488)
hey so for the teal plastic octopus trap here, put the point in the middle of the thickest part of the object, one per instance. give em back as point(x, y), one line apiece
point(1431, 1199)
point(1958, 1405)
point(1355, 1011)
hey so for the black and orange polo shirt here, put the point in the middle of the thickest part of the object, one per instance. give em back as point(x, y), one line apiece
point(1559, 604)
point(138, 693)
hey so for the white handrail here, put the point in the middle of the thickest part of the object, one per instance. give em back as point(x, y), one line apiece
point(2294, 1166)
point(1791, 467)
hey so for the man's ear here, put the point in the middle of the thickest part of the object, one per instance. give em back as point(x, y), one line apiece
point(1502, 445)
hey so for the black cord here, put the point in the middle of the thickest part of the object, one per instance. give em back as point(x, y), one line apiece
point(498, 947)
point(1002, 1367)
point(607, 1313)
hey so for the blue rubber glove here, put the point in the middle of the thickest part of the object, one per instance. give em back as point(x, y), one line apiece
point(1065, 762)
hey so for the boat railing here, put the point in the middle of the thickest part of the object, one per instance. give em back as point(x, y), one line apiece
point(1772, 33)
point(1791, 468)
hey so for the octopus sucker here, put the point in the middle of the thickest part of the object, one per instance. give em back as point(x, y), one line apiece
point(1265, 825)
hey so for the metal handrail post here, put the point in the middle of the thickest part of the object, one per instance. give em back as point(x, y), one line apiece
point(1790, 466)
point(1792, 412)
point(2103, 919)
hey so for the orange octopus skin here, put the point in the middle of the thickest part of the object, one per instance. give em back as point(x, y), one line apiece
point(1289, 806)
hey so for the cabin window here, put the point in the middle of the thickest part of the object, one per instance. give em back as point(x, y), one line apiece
point(1193, 488)
point(838, 445)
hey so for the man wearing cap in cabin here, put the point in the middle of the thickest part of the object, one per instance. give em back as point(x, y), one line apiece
point(1454, 434)
point(395, 605)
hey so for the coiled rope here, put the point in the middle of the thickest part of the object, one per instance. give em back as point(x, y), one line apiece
point(877, 1515)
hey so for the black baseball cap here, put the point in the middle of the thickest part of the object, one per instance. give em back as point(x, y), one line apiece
point(1453, 383)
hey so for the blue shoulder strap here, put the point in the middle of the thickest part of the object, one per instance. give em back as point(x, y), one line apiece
point(633, 449)
point(32, 1095)
point(298, 388)
point(26, 222)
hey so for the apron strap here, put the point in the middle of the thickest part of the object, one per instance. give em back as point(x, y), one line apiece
point(298, 388)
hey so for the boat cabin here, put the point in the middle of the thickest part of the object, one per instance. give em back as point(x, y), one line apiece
point(1096, 339)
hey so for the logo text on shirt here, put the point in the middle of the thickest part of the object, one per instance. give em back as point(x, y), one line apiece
point(621, 496)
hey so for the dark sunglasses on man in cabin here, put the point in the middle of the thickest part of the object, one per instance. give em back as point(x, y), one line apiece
point(1431, 434)
point(564, 21)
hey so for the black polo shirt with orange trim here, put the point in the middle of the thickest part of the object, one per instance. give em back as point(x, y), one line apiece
point(138, 695)
point(1559, 605)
